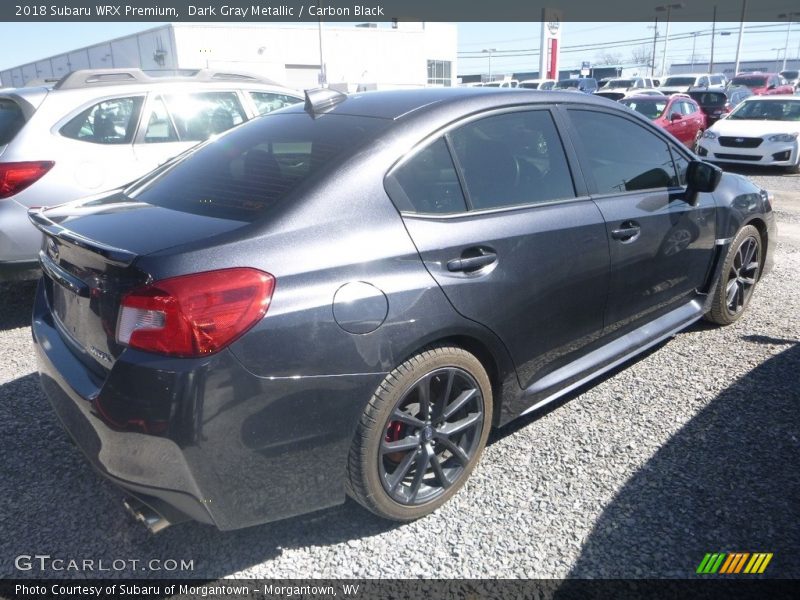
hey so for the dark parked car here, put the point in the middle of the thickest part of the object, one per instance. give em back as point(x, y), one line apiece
point(344, 297)
point(587, 85)
point(716, 105)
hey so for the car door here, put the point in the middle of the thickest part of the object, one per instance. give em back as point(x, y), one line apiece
point(502, 228)
point(174, 122)
point(676, 124)
point(96, 145)
point(661, 244)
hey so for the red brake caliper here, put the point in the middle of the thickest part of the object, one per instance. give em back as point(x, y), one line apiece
point(394, 432)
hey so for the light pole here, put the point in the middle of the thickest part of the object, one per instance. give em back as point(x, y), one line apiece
point(694, 35)
point(788, 16)
point(490, 51)
point(668, 8)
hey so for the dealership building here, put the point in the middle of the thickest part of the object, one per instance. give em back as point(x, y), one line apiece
point(366, 56)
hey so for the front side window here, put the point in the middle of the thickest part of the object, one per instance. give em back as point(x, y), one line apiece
point(512, 159)
point(107, 122)
point(159, 124)
point(268, 101)
point(198, 116)
point(620, 155)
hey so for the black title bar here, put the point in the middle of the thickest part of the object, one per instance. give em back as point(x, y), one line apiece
point(243, 11)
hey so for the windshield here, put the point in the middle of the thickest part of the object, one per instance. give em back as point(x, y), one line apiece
point(681, 81)
point(790, 74)
point(567, 83)
point(246, 172)
point(11, 120)
point(652, 109)
point(616, 83)
point(767, 110)
point(750, 81)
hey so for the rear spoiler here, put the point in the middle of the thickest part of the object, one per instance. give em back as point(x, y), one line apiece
point(115, 256)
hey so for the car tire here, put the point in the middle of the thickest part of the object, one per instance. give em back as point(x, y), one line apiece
point(406, 460)
point(738, 279)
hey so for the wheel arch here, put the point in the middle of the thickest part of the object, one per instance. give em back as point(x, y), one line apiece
point(763, 231)
point(492, 355)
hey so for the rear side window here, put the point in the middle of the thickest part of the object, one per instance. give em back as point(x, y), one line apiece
point(252, 169)
point(268, 101)
point(621, 155)
point(108, 122)
point(427, 183)
point(199, 116)
point(11, 120)
point(512, 159)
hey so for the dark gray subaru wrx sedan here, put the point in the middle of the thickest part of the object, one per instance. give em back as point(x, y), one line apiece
point(344, 297)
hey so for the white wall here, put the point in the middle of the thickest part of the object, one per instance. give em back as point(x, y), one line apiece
point(382, 57)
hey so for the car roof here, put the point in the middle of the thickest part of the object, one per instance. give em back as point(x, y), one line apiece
point(395, 104)
point(772, 97)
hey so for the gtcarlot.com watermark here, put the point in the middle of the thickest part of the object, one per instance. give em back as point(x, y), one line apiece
point(45, 562)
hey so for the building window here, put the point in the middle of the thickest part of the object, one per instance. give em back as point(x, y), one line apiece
point(439, 73)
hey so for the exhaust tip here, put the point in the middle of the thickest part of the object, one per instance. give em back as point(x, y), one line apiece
point(145, 515)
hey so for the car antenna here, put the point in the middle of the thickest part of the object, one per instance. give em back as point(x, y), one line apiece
point(320, 100)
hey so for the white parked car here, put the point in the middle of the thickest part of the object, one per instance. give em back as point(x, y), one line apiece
point(537, 84)
point(762, 130)
point(95, 130)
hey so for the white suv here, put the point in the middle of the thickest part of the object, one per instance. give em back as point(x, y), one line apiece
point(96, 130)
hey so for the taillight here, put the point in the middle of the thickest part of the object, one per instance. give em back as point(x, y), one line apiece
point(194, 315)
point(16, 176)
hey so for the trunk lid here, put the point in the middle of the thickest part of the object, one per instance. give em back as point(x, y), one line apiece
point(88, 260)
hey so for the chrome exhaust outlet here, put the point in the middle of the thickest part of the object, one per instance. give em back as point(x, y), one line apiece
point(145, 515)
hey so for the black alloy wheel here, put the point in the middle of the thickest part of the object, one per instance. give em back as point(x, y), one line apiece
point(421, 434)
point(738, 278)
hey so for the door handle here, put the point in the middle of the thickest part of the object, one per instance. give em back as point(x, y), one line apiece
point(472, 263)
point(628, 231)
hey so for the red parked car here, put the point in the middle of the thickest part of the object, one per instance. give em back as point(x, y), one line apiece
point(764, 83)
point(678, 114)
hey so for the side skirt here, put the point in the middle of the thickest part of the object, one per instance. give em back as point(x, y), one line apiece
point(600, 361)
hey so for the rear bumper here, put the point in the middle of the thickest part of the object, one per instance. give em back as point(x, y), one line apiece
point(240, 449)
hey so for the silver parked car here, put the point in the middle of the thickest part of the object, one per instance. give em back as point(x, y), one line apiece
point(96, 130)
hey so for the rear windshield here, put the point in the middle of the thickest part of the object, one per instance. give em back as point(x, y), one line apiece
point(750, 81)
point(616, 83)
point(709, 98)
point(11, 120)
point(790, 74)
point(246, 172)
point(652, 109)
point(568, 83)
point(678, 81)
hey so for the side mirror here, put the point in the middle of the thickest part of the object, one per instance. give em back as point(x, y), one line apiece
point(701, 177)
point(771, 86)
point(675, 117)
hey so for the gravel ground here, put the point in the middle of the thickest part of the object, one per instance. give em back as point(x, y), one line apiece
point(692, 448)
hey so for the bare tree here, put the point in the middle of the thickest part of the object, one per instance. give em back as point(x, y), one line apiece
point(643, 55)
point(608, 58)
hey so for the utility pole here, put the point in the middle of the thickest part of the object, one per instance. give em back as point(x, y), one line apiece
point(741, 33)
point(713, 36)
point(653, 57)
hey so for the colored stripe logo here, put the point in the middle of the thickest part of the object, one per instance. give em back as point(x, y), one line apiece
point(734, 563)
